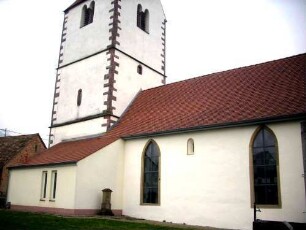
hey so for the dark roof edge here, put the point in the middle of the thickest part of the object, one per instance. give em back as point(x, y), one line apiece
point(296, 117)
point(41, 165)
point(76, 3)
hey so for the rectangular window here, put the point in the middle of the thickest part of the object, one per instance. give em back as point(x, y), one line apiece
point(53, 185)
point(43, 192)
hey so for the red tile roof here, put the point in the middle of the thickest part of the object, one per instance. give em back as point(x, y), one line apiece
point(264, 92)
point(10, 146)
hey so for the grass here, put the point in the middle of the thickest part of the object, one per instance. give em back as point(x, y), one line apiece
point(34, 221)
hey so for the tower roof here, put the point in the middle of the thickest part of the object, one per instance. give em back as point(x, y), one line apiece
point(268, 92)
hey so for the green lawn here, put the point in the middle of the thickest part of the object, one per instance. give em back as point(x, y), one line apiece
point(32, 221)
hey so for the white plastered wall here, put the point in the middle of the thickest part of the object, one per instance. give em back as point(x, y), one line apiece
point(87, 75)
point(143, 46)
point(81, 42)
point(129, 82)
point(101, 170)
point(212, 187)
point(25, 187)
point(84, 129)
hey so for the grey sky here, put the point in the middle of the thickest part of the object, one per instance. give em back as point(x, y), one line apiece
point(203, 36)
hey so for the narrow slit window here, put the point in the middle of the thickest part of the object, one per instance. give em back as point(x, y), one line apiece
point(139, 69)
point(53, 185)
point(79, 97)
point(43, 193)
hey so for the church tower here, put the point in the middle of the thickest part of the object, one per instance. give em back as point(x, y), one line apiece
point(110, 50)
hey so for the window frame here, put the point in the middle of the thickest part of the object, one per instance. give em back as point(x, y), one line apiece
point(44, 184)
point(251, 166)
point(142, 186)
point(53, 187)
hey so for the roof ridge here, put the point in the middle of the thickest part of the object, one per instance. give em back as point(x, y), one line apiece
point(213, 74)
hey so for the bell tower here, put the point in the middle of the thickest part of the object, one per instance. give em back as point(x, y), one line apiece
point(110, 50)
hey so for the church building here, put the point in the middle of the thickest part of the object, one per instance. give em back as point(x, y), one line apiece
point(201, 151)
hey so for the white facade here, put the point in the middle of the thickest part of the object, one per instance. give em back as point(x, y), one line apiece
point(79, 187)
point(212, 187)
point(101, 59)
point(101, 170)
point(25, 187)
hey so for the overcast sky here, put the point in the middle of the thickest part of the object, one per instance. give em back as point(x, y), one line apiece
point(203, 36)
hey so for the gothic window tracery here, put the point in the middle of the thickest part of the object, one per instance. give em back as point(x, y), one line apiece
point(151, 174)
point(265, 168)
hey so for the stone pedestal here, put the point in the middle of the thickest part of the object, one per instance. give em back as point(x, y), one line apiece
point(106, 207)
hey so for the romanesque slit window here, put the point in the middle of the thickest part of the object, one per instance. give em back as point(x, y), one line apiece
point(151, 174)
point(190, 147)
point(79, 97)
point(143, 18)
point(139, 69)
point(53, 185)
point(87, 14)
point(266, 189)
point(43, 193)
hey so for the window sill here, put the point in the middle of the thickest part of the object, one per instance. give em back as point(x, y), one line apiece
point(42, 200)
point(149, 204)
point(51, 200)
point(268, 206)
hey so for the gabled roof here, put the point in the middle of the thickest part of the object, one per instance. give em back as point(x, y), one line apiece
point(12, 145)
point(267, 92)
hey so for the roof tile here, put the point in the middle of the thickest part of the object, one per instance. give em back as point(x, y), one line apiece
point(263, 91)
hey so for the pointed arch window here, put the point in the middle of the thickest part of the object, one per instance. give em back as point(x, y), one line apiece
point(151, 174)
point(266, 189)
point(87, 14)
point(143, 18)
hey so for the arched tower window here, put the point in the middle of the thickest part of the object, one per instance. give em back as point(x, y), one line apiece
point(146, 20)
point(79, 97)
point(91, 12)
point(190, 147)
point(87, 14)
point(143, 18)
point(139, 15)
point(151, 174)
point(266, 190)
